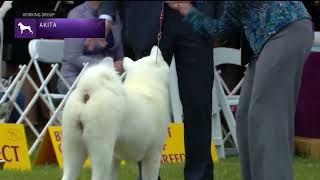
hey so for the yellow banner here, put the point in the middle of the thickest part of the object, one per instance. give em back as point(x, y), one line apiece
point(173, 150)
point(50, 148)
point(13, 147)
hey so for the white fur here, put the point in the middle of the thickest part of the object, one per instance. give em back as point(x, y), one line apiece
point(120, 121)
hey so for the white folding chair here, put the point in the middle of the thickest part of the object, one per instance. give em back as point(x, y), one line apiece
point(217, 126)
point(223, 98)
point(47, 51)
point(51, 52)
point(224, 55)
point(176, 106)
point(36, 53)
point(58, 109)
point(39, 92)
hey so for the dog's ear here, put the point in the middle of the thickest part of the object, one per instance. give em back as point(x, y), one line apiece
point(156, 53)
point(127, 63)
point(108, 61)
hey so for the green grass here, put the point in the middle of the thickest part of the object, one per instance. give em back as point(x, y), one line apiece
point(228, 169)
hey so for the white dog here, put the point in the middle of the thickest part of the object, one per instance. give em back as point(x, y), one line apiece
point(111, 121)
point(24, 27)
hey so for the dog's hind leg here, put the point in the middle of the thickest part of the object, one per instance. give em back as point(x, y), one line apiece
point(151, 166)
point(100, 142)
point(74, 151)
point(101, 154)
point(115, 168)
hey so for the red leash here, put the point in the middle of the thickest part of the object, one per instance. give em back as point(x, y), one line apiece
point(161, 22)
point(160, 30)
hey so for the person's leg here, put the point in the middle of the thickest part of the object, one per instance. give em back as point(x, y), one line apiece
point(274, 94)
point(194, 63)
point(242, 120)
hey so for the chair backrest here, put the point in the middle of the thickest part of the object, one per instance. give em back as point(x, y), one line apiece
point(6, 6)
point(317, 38)
point(45, 50)
point(223, 55)
point(222, 96)
point(316, 43)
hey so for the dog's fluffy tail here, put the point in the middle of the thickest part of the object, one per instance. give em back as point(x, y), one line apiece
point(99, 90)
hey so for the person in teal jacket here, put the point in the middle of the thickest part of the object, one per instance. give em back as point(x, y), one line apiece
point(280, 37)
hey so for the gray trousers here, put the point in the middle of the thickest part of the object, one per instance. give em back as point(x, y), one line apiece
point(265, 116)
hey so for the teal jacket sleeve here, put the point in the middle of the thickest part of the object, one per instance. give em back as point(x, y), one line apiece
point(217, 29)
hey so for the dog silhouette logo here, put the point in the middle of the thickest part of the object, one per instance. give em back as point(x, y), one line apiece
point(24, 27)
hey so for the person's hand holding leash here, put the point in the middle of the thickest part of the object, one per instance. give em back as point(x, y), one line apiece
point(91, 43)
point(119, 66)
point(108, 25)
point(182, 6)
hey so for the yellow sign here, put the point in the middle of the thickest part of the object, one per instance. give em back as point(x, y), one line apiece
point(173, 149)
point(50, 148)
point(13, 147)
